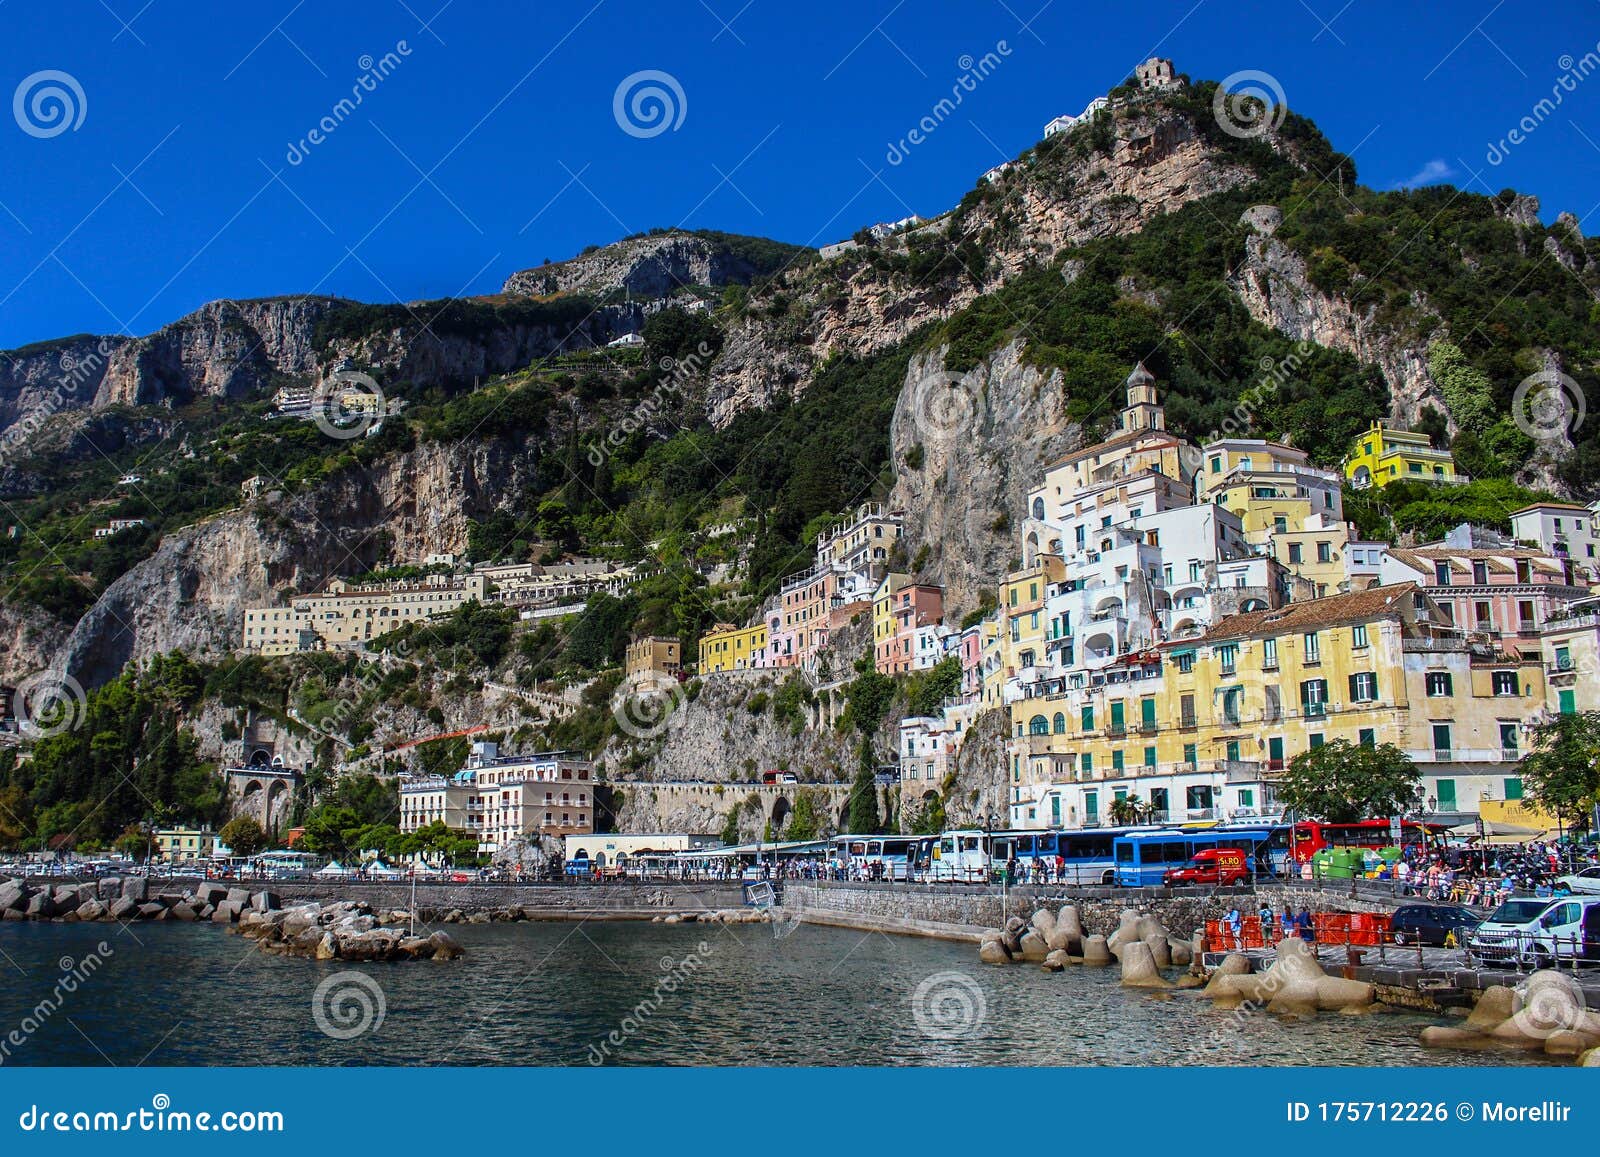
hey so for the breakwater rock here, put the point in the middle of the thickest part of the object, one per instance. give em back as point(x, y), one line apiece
point(1546, 1013)
point(124, 899)
point(344, 931)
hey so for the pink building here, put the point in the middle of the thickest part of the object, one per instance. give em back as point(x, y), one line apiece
point(1487, 585)
point(899, 609)
point(970, 649)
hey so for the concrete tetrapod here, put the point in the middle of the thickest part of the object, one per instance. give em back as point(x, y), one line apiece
point(1043, 922)
point(1127, 929)
point(1139, 967)
point(1295, 984)
point(1068, 932)
point(1095, 952)
point(1547, 1013)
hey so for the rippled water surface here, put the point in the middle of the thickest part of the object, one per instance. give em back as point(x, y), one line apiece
point(561, 994)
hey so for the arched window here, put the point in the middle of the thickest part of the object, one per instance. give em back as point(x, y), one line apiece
point(1038, 725)
point(1059, 724)
point(1038, 509)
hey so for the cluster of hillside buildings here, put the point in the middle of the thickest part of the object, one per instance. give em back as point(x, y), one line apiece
point(350, 615)
point(502, 798)
point(1188, 619)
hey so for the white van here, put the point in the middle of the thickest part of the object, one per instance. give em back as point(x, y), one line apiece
point(1539, 932)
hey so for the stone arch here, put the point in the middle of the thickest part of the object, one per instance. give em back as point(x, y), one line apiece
point(260, 758)
point(276, 808)
point(780, 813)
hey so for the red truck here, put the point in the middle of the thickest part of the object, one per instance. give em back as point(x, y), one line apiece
point(1212, 866)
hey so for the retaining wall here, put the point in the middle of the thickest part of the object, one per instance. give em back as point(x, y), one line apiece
point(962, 908)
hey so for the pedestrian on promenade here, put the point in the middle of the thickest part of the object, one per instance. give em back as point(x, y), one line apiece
point(1235, 923)
point(1286, 923)
point(1303, 924)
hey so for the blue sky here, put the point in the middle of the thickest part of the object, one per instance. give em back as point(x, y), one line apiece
point(492, 144)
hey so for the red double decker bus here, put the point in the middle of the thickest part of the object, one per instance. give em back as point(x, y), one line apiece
point(1309, 837)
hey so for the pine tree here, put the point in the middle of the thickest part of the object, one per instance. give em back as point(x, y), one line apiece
point(864, 818)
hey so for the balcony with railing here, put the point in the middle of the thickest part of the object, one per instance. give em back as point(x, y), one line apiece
point(1464, 754)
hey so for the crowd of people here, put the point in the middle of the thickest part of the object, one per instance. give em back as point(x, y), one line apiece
point(1483, 876)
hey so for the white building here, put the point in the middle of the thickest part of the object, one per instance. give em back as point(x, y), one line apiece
point(1562, 530)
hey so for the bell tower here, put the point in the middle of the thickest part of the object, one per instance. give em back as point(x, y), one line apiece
point(1144, 411)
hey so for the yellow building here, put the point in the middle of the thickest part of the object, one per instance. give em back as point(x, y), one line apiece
point(1286, 506)
point(729, 648)
point(649, 657)
point(1383, 455)
point(185, 843)
point(1202, 731)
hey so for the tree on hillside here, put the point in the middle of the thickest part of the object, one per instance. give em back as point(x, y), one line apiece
point(1343, 782)
point(1561, 773)
point(864, 818)
point(243, 835)
point(807, 820)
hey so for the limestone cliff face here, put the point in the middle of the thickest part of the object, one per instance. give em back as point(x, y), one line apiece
point(235, 349)
point(225, 349)
point(1273, 285)
point(979, 790)
point(848, 306)
point(192, 593)
point(985, 438)
point(647, 267)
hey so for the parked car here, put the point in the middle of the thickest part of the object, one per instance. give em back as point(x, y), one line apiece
point(1540, 932)
point(1211, 866)
point(1583, 883)
point(1432, 924)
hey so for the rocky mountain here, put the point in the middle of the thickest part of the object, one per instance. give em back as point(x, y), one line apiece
point(654, 265)
point(980, 408)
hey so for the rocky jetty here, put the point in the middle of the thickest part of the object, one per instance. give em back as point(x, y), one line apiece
point(1295, 985)
point(1140, 943)
point(121, 899)
point(344, 931)
point(1546, 1013)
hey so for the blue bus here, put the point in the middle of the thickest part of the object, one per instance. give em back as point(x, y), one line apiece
point(1144, 857)
point(1082, 856)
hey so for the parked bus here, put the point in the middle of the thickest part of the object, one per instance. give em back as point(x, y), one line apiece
point(1144, 858)
point(884, 857)
point(1077, 857)
point(961, 855)
point(1309, 837)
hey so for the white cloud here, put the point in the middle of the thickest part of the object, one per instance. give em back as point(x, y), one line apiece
point(1434, 172)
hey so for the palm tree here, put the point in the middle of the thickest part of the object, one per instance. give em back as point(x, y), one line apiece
point(1126, 809)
